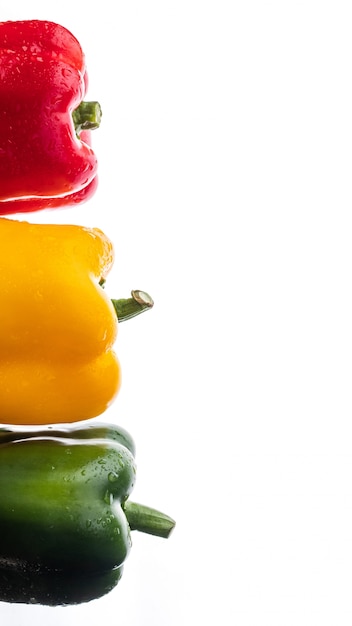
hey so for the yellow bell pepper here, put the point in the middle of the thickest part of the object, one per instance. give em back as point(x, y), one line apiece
point(57, 325)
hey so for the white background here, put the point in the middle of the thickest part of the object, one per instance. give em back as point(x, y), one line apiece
point(225, 156)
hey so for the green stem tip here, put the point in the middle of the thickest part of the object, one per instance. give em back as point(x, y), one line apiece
point(87, 116)
point(139, 302)
point(148, 520)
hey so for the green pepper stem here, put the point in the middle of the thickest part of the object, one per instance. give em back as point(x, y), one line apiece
point(139, 302)
point(148, 520)
point(87, 116)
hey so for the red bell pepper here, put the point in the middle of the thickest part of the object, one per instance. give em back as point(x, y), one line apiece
point(46, 160)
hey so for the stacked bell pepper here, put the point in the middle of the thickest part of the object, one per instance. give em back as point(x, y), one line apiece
point(65, 480)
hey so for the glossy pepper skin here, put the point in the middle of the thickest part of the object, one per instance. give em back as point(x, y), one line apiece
point(64, 504)
point(57, 325)
point(43, 79)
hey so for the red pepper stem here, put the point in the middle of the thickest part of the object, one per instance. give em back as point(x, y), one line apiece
point(147, 520)
point(139, 302)
point(87, 116)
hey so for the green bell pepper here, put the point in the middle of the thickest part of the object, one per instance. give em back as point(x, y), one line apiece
point(64, 499)
point(21, 586)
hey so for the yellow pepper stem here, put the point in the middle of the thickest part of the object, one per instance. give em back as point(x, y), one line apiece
point(139, 302)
